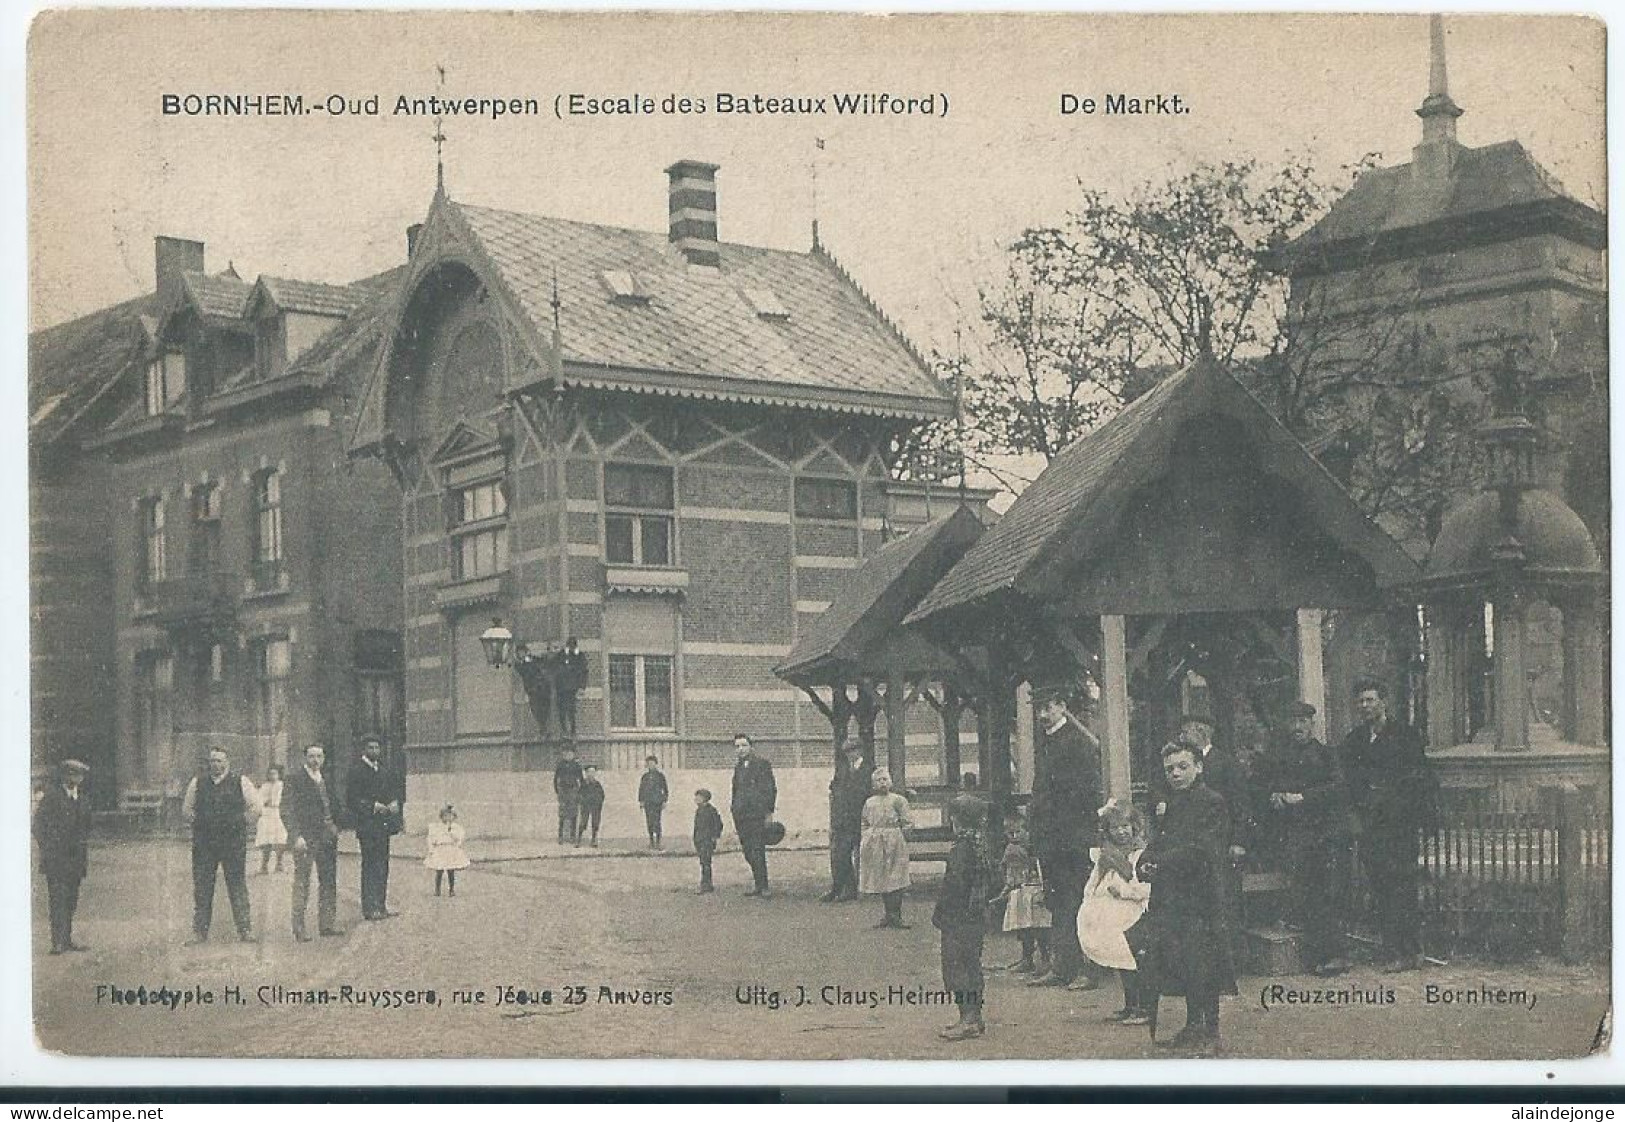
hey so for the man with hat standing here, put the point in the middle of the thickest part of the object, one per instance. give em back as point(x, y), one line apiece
point(374, 796)
point(62, 829)
point(220, 805)
point(753, 798)
point(1303, 805)
point(1064, 825)
point(848, 791)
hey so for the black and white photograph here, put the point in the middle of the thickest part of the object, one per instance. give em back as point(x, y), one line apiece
point(813, 536)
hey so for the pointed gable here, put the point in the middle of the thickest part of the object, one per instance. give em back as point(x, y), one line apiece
point(1073, 514)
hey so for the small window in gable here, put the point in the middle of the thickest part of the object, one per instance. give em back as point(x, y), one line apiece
point(767, 303)
point(623, 286)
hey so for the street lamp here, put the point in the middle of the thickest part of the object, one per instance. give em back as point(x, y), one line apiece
point(498, 643)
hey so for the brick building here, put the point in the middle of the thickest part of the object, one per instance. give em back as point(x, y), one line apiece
point(670, 447)
point(210, 568)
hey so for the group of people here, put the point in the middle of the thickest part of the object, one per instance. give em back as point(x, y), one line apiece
point(580, 796)
point(298, 814)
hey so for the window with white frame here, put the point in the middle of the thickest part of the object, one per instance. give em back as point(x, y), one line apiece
point(479, 530)
point(640, 692)
point(165, 381)
point(267, 529)
point(154, 714)
point(639, 500)
point(152, 540)
point(273, 666)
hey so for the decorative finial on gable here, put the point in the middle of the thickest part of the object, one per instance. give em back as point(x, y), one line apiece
point(439, 139)
point(1438, 111)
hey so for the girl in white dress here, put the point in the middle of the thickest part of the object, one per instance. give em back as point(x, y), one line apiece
point(270, 835)
point(883, 852)
point(445, 850)
point(1113, 901)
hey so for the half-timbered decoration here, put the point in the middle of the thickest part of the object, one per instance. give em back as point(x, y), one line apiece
point(669, 448)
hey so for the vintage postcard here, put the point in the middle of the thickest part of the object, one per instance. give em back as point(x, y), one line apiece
point(818, 536)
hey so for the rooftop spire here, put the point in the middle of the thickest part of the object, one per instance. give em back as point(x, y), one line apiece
point(1438, 111)
point(439, 139)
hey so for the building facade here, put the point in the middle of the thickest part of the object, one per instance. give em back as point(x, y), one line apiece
point(243, 573)
point(669, 448)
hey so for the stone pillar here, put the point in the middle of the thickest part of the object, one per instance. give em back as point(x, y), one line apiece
point(1312, 666)
point(1115, 745)
point(1511, 678)
point(1443, 653)
point(1584, 680)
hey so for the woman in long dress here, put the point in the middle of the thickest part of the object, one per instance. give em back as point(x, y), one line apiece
point(883, 852)
point(270, 834)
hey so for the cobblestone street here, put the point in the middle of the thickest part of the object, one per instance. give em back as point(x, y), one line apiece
point(632, 929)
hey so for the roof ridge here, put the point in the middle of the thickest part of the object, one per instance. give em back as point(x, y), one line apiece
point(641, 230)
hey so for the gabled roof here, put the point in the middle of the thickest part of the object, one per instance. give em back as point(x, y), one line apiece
point(72, 365)
point(698, 329)
point(311, 297)
point(1073, 504)
point(220, 295)
point(1484, 186)
point(859, 632)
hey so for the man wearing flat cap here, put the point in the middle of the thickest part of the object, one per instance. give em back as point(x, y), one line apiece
point(62, 829)
point(1066, 794)
point(1302, 804)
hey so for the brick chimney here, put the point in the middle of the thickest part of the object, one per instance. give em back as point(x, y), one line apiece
point(412, 234)
point(172, 258)
point(693, 197)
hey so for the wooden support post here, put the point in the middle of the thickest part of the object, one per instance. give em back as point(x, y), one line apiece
point(897, 732)
point(866, 708)
point(1114, 705)
point(1312, 666)
point(1443, 674)
point(1021, 742)
point(952, 706)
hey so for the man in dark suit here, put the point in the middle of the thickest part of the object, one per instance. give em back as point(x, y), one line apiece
point(62, 829)
point(313, 834)
point(219, 805)
point(1303, 807)
point(567, 776)
point(1064, 825)
point(754, 796)
point(1393, 791)
point(570, 678)
point(848, 791)
point(374, 800)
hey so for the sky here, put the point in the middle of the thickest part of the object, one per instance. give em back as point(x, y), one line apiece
point(915, 207)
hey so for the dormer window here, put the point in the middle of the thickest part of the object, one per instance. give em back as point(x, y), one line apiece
point(165, 382)
point(270, 346)
point(767, 304)
point(624, 288)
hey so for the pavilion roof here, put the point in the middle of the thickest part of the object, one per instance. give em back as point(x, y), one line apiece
point(860, 633)
point(1071, 510)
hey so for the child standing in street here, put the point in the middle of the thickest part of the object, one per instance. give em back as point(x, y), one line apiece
point(1113, 901)
point(883, 852)
point(445, 849)
point(707, 829)
point(270, 835)
point(592, 805)
point(1025, 912)
point(961, 915)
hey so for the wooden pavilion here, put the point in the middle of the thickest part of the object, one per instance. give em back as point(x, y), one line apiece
point(1183, 555)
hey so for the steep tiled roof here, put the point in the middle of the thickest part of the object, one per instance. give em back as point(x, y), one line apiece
point(221, 295)
point(700, 323)
point(363, 326)
point(72, 364)
point(1081, 488)
point(312, 296)
point(1481, 180)
point(860, 627)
